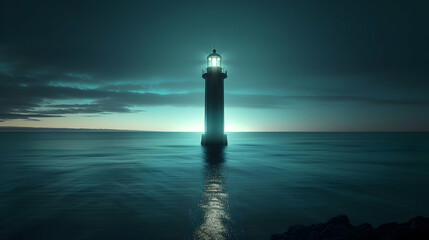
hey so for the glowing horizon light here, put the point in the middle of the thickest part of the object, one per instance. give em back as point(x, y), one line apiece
point(232, 127)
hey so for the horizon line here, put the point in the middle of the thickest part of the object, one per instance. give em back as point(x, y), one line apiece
point(49, 129)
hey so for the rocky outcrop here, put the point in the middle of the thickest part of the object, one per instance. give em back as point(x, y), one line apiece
point(339, 228)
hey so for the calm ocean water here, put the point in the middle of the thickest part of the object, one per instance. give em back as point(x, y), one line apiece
point(142, 185)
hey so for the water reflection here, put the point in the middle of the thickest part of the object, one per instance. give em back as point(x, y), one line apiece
point(213, 206)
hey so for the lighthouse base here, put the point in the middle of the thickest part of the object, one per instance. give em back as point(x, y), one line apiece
point(214, 140)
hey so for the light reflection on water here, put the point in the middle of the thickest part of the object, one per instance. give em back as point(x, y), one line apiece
point(214, 203)
point(166, 186)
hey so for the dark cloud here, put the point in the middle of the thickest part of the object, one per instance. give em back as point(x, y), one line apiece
point(117, 56)
point(33, 102)
point(172, 86)
point(96, 107)
point(30, 117)
point(366, 100)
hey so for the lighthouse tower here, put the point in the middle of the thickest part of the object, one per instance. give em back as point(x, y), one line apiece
point(214, 75)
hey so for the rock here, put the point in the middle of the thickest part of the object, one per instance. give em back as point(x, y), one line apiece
point(284, 237)
point(366, 231)
point(300, 231)
point(277, 236)
point(315, 236)
point(339, 228)
point(418, 222)
point(342, 220)
point(318, 227)
point(400, 233)
point(420, 234)
point(386, 229)
point(339, 232)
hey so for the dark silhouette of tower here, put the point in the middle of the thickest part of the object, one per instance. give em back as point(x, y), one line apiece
point(214, 76)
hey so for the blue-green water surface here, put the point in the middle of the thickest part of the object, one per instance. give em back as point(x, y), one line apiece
point(144, 185)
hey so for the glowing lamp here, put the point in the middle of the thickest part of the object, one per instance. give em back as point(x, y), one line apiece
point(214, 60)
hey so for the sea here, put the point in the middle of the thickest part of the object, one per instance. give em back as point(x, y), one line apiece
point(160, 185)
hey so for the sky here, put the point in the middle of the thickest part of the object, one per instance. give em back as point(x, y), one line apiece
point(292, 65)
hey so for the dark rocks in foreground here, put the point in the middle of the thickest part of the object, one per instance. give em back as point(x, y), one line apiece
point(339, 228)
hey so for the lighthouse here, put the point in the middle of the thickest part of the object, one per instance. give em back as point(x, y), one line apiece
point(214, 75)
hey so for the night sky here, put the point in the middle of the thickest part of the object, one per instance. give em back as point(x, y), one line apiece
point(292, 65)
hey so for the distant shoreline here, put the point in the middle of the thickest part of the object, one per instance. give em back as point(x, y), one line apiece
point(37, 129)
point(47, 129)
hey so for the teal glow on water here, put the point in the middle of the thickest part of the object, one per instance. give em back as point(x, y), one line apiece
point(166, 186)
